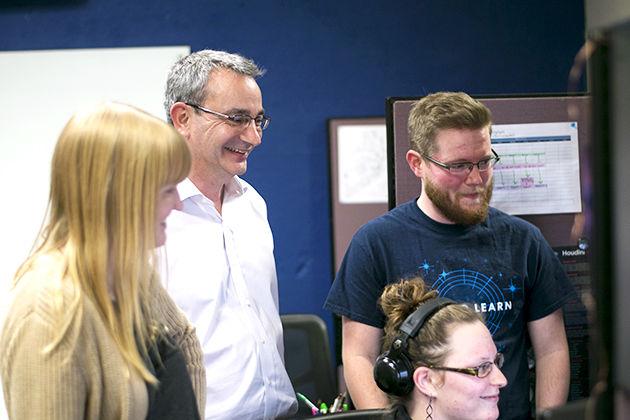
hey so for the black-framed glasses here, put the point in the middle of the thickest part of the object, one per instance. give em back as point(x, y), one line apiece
point(480, 371)
point(239, 120)
point(461, 168)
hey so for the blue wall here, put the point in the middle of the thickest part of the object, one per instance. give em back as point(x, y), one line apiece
point(328, 58)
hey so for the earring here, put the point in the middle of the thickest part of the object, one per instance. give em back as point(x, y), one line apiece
point(429, 410)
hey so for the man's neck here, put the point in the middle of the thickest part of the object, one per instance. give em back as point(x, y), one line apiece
point(213, 188)
point(426, 205)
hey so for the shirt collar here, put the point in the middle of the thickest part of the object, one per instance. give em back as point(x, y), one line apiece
point(187, 189)
point(235, 187)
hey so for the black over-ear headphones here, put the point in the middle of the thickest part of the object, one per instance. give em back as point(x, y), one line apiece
point(393, 370)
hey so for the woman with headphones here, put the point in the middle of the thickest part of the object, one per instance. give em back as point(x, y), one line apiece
point(91, 333)
point(441, 362)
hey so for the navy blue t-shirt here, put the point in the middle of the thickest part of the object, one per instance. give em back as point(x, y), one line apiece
point(503, 266)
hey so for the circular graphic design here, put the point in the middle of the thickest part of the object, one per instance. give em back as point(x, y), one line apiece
point(476, 288)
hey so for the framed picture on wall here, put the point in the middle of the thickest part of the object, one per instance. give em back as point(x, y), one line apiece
point(358, 176)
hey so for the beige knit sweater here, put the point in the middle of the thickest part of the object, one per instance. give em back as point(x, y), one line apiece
point(85, 376)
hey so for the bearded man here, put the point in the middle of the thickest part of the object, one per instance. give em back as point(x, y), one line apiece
point(467, 251)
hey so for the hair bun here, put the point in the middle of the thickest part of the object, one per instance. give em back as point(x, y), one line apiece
point(400, 299)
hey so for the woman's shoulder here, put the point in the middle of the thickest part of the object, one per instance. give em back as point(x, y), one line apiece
point(43, 288)
point(397, 412)
point(46, 273)
point(41, 304)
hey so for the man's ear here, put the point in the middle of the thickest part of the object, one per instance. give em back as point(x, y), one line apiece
point(180, 114)
point(415, 162)
point(425, 381)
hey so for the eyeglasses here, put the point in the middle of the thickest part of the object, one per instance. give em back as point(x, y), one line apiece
point(238, 120)
point(480, 371)
point(461, 168)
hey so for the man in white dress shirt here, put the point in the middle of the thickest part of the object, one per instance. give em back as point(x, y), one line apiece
point(220, 268)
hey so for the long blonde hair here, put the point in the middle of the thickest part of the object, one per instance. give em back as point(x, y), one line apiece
point(107, 169)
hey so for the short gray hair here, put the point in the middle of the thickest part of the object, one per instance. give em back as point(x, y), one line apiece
point(188, 77)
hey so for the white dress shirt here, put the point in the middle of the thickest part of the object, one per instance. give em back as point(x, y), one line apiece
point(220, 270)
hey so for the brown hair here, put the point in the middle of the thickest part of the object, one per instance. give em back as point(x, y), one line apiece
point(432, 344)
point(443, 110)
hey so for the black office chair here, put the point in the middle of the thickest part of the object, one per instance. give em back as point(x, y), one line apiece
point(307, 358)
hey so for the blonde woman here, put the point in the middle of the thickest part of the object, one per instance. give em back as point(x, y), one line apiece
point(90, 333)
point(440, 361)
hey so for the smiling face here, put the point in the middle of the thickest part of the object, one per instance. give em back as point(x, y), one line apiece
point(462, 396)
point(220, 148)
point(449, 198)
point(167, 200)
